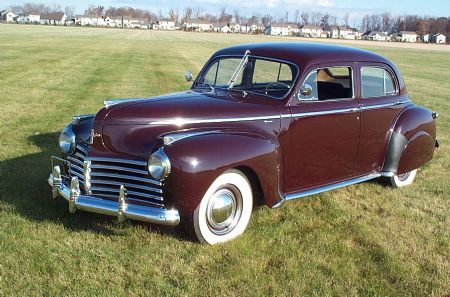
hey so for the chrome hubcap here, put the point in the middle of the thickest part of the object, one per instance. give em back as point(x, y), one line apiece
point(224, 210)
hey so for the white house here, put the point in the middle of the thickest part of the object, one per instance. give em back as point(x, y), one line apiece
point(334, 32)
point(256, 28)
point(426, 38)
point(283, 29)
point(28, 18)
point(166, 24)
point(8, 16)
point(438, 38)
point(408, 36)
point(376, 36)
point(311, 31)
point(56, 18)
point(221, 28)
point(198, 25)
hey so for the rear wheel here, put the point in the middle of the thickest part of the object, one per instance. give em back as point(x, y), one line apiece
point(404, 179)
point(225, 209)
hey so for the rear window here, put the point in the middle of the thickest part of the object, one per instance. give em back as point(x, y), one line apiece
point(376, 82)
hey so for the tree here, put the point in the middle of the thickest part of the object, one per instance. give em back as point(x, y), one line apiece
point(173, 16)
point(386, 22)
point(187, 14)
point(324, 21)
point(346, 19)
point(305, 18)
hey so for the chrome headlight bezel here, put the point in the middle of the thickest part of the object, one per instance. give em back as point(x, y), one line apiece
point(158, 165)
point(67, 141)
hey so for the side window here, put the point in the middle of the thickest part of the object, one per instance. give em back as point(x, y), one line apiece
point(376, 82)
point(331, 83)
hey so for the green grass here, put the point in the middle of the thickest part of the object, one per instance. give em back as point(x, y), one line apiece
point(366, 239)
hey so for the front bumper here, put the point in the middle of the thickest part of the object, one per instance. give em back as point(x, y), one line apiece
point(120, 209)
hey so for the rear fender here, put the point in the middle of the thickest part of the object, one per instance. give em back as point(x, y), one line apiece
point(412, 142)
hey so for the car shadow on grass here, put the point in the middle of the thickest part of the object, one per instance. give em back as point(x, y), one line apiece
point(24, 190)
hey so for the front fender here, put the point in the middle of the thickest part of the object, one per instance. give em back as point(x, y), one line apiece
point(197, 161)
point(412, 141)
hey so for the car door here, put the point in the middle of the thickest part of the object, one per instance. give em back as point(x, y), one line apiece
point(380, 105)
point(321, 143)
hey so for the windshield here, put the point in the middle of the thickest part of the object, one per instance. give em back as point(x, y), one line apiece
point(262, 76)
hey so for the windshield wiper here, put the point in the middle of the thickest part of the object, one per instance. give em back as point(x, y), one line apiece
point(239, 69)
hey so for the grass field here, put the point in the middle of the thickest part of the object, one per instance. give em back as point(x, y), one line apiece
point(366, 239)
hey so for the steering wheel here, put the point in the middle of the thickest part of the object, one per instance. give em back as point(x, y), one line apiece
point(274, 83)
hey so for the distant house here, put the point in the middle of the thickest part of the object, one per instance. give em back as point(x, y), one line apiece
point(311, 31)
point(221, 28)
point(334, 32)
point(256, 28)
point(408, 36)
point(27, 18)
point(166, 24)
point(283, 29)
point(8, 16)
point(55, 18)
point(376, 36)
point(426, 38)
point(198, 25)
point(438, 38)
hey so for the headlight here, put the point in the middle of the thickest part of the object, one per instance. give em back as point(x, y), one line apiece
point(67, 141)
point(159, 165)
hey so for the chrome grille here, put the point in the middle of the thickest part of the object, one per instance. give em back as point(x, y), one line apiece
point(76, 162)
point(107, 175)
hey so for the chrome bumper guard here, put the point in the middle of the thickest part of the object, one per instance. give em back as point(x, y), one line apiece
point(120, 209)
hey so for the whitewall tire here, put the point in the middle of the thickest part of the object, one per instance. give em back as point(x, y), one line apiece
point(225, 209)
point(402, 180)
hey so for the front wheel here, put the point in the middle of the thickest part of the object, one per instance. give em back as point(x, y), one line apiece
point(404, 179)
point(225, 209)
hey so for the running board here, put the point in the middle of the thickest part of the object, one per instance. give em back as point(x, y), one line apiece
point(338, 185)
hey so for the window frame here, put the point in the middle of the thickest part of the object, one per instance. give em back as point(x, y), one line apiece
point(352, 78)
point(295, 79)
point(389, 71)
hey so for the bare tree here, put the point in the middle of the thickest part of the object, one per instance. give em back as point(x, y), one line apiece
point(173, 16)
point(324, 21)
point(236, 16)
point(187, 14)
point(386, 22)
point(346, 19)
point(305, 18)
point(297, 16)
point(198, 13)
point(69, 11)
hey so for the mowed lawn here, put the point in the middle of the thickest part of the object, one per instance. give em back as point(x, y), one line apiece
point(366, 239)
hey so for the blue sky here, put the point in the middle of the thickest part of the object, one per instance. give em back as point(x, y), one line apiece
point(355, 8)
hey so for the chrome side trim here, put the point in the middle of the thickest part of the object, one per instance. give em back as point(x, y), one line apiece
point(120, 208)
point(384, 105)
point(320, 113)
point(181, 121)
point(318, 190)
point(174, 137)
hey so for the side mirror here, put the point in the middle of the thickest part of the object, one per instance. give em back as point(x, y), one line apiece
point(188, 76)
point(305, 90)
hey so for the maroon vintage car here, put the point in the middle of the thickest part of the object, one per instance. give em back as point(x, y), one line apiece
point(273, 120)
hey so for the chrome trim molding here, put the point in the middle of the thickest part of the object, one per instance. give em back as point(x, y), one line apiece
point(318, 190)
point(120, 208)
point(108, 103)
point(180, 121)
point(174, 137)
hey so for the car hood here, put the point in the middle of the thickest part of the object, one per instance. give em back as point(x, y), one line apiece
point(185, 107)
point(134, 126)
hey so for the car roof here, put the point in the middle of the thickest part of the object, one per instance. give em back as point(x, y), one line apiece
point(304, 53)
